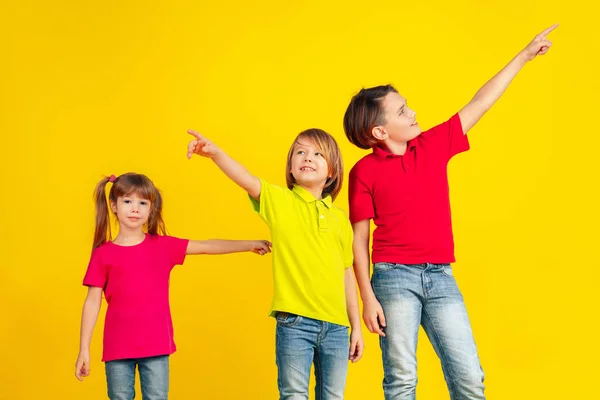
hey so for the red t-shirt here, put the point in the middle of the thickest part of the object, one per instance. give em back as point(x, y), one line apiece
point(135, 280)
point(407, 197)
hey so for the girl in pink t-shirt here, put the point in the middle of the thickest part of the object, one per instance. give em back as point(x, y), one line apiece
point(133, 271)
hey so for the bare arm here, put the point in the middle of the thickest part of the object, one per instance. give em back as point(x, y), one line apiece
point(356, 339)
point(489, 93)
point(230, 167)
point(217, 246)
point(352, 299)
point(372, 310)
point(89, 316)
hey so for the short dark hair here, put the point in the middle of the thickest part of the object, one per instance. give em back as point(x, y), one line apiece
point(364, 113)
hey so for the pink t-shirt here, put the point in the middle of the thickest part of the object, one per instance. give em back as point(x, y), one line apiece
point(135, 280)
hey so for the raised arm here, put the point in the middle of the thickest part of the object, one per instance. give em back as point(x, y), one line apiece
point(489, 93)
point(230, 167)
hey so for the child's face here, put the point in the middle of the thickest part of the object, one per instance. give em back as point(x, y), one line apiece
point(308, 164)
point(132, 211)
point(400, 121)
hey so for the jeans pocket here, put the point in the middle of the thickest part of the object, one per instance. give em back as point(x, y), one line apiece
point(381, 267)
point(287, 319)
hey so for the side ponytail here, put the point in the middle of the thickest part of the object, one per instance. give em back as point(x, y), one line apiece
point(102, 233)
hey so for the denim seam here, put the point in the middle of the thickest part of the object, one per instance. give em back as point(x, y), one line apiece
point(442, 354)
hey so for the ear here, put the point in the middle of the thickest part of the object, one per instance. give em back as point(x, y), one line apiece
point(379, 133)
point(113, 206)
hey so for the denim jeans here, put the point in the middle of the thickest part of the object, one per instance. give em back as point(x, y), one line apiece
point(427, 295)
point(154, 378)
point(300, 341)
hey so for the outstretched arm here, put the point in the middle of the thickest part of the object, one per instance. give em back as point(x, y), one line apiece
point(217, 246)
point(232, 168)
point(489, 93)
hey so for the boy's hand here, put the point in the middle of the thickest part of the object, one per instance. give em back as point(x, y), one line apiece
point(539, 45)
point(357, 345)
point(260, 247)
point(201, 146)
point(82, 365)
point(373, 316)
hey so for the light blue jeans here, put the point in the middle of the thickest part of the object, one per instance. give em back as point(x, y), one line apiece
point(154, 378)
point(427, 295)
point(300, 341)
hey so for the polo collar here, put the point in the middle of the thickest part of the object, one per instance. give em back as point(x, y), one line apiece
point(309, 198)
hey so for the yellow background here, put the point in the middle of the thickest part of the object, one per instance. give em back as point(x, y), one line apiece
point(98, 88)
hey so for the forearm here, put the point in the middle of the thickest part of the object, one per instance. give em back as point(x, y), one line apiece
point(218, 246)
point(238, 173)
point(89, 316)
point(362, 262)
point(352, 300)
point(495, 87)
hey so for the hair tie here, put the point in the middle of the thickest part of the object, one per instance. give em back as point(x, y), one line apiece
point(112, 178)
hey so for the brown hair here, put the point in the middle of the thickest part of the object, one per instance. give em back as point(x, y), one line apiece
point(364, 113)
point(327, 144)
point(125, 185)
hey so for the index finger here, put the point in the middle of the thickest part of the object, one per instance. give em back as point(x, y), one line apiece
point(548, 30)
point(195, 134)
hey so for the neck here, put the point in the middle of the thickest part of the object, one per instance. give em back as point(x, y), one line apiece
point(128, 237)
point(395, 147)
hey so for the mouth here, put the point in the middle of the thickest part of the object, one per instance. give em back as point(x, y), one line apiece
point(307, 169)
point(134, 219)
point(415, 123)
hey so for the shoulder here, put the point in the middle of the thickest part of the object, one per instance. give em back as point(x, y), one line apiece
point(364, 167)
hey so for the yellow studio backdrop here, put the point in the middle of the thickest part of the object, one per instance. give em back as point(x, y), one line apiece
point(91, 89)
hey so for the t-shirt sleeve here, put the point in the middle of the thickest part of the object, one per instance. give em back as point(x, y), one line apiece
point(96, 274)
point(360, 197)
point(176, 249)
point(449, 137)
point(270, 196)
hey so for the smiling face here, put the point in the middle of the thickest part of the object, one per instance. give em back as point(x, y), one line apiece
point(308, 165)
point(400, 124)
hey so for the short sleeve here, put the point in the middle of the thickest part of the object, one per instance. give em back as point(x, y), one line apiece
point(449, 136)
point(360, 196)
point(270, 197)
point(176, 249)
point(96, 274)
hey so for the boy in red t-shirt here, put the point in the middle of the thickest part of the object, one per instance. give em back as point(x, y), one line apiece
point(403, 187)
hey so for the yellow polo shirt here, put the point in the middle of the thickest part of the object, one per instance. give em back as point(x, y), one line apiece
point(312, 247)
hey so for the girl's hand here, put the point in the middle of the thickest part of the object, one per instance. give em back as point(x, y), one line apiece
point(82, 366)
point(357, 345)
point(539, 45)
point(260, 247)
point(201, 146)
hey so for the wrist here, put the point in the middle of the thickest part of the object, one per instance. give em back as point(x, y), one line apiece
point(368, 296)
point(523, 57)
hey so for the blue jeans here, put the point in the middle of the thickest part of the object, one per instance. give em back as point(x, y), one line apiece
point(427, 295)
point(299, 342)
point(154, 378)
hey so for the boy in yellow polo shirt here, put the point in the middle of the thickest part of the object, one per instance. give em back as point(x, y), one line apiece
point(315, 297)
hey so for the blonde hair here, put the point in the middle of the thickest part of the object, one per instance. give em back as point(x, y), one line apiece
point(331, 151)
